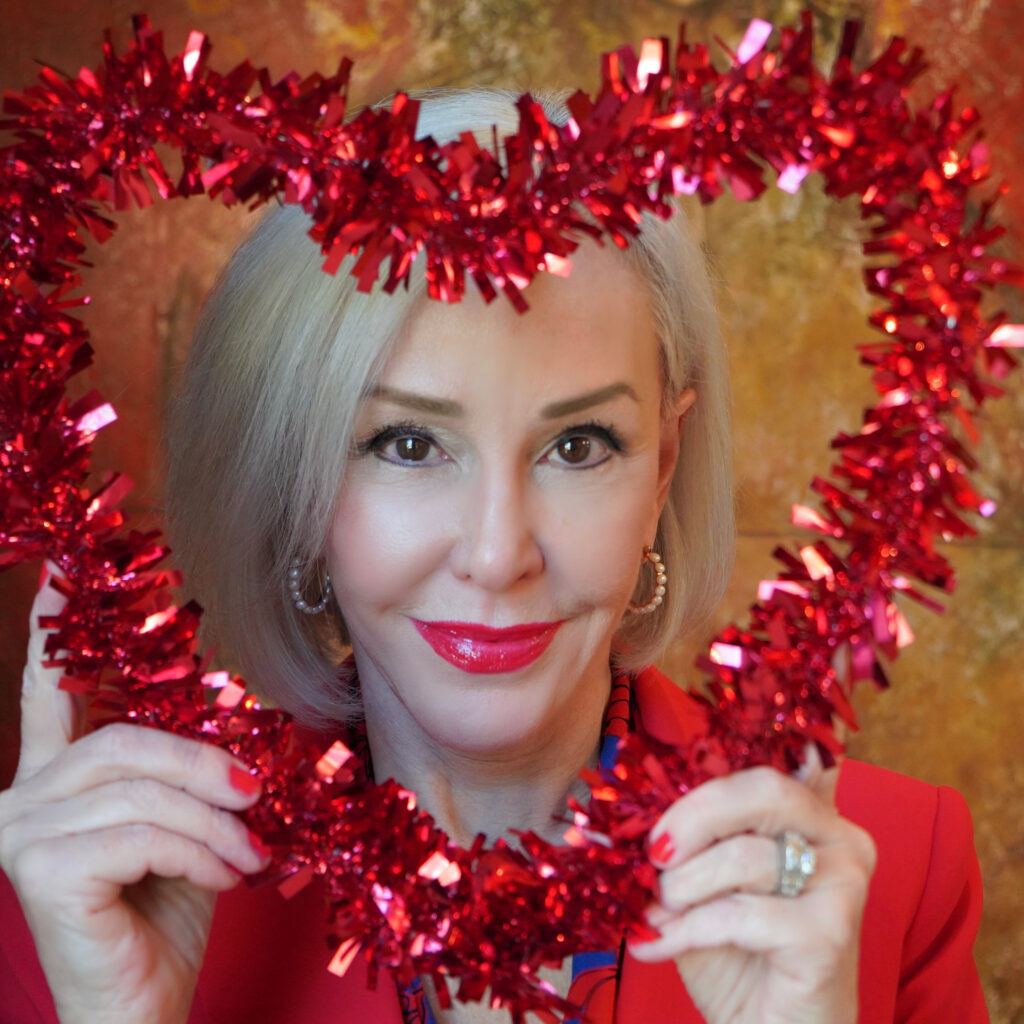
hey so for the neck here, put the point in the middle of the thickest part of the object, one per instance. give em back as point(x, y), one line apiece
point(522, 787)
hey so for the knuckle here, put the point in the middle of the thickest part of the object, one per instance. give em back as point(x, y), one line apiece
point(850, 880)
point(198, 759)
point(141, 834)
point(746, 849)
point(737, 860)
point(860, 848)
point(117, 742)
point(32, 867)
point(222, 824)
point(732, 912)
point(770, 785)
point(141, 796)
point(867, 850)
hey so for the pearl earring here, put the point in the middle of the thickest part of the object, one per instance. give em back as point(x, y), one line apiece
point(295, 590)
point(660, 579)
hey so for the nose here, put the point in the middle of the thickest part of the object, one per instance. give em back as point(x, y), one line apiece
point(498, 546)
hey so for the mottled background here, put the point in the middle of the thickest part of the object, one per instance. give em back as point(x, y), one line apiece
point(791, 296)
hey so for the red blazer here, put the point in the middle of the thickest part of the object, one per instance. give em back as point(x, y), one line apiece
point(266, 962)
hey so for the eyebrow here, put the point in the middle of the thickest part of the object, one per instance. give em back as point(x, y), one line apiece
point(571, 405)
point(447, 407)
point(421, 403)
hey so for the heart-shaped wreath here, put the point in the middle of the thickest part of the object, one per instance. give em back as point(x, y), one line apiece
point(664, 122)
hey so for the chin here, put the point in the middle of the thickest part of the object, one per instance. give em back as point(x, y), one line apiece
point(492, 711)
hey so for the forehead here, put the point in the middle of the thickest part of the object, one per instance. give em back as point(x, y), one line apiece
point(596, 321)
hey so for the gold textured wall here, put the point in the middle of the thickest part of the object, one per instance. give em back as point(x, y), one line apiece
point(789, 270)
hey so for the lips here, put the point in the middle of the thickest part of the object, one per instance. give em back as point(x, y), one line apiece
point(483, 649)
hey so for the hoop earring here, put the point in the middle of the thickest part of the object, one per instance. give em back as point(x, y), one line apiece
point(660, 579)
point(295, 590)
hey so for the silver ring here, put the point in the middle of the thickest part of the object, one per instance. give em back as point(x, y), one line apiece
point(796, 864)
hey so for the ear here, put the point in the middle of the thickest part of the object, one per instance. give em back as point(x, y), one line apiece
point(668, 445)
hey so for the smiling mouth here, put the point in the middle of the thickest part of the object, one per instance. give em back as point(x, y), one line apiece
point(476, 648)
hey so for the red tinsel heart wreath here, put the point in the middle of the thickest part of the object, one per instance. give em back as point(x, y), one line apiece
point(663, 123)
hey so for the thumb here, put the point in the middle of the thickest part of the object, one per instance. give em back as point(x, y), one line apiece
point(48, 714)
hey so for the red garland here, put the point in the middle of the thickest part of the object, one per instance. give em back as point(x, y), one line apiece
point(664, 123)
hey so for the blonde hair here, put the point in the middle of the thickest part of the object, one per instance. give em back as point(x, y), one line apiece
point(259, 437)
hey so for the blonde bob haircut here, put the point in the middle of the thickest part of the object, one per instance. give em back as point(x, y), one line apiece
point(260, 434)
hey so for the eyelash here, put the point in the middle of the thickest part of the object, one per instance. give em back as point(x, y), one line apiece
point(604, 432)
point(376, 444)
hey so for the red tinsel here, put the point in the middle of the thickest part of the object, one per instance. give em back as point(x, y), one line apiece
point(663, 123)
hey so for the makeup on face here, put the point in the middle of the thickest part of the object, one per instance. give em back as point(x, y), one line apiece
point(477, 648)
point(502, 483)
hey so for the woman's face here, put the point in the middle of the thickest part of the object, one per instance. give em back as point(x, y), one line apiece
point(509, 469)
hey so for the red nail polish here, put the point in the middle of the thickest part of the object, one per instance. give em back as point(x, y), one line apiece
point(661, 850)
point(44, 575)
point(245, 782)
point(259, 846)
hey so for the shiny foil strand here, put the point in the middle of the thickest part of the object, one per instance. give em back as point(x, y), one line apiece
point(663, 123)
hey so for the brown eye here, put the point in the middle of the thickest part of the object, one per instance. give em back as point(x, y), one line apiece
point(403, 444)
point(412, 449)
point(574, 450)
point(584, 446)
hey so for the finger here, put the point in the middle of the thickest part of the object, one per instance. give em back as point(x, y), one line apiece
point(132, 752)
point(760, 800)
point(748, 863)
point(758, 924)
point(143, 802)
point(48, 714)
point(106, 861)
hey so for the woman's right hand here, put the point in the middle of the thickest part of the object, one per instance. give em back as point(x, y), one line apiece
point(117, 844)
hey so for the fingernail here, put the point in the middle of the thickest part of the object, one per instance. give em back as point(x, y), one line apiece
point(661, 850)
point(245, 782)
point(260, 847)
point(43, 576)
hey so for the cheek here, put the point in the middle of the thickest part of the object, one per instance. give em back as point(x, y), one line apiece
point(599, 539)
point(380, 544)
point(389, 544)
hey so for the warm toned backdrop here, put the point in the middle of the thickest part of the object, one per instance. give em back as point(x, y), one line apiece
point(789, 270)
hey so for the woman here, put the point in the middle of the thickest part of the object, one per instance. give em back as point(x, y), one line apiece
point(487, 557)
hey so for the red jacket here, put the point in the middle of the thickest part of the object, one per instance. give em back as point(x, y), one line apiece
point(266, 962)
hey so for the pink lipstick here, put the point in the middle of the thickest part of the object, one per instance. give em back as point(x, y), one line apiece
point(476, 648)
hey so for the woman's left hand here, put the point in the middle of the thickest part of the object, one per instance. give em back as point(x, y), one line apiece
point(748, 955)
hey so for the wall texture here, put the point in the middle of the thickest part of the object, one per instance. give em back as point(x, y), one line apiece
point(791, 296)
